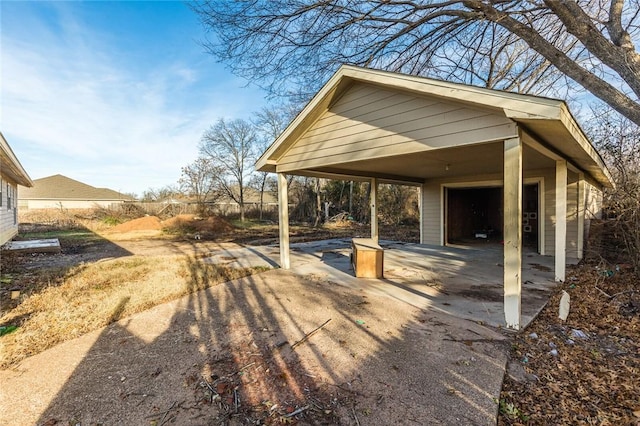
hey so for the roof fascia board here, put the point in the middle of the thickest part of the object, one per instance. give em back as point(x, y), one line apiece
point(511, 104)
point(578, 135)
point(16, 166)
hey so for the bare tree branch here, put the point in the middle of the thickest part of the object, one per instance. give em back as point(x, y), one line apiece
point(618, 53)
point(231, 147)
point(292, 46)
point(198, 180)
point(605, 91)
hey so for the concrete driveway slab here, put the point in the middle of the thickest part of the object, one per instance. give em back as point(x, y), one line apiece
point(466, 282)
point(378, 361)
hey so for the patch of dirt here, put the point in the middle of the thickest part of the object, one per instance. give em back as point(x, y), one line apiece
point(147, 223)
point(585, 370)
point(204, 227)
point(225, 356)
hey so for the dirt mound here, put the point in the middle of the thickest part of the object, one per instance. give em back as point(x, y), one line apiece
point(179, 222)
point(147, 223)
point(214, 224)
point(192, 223)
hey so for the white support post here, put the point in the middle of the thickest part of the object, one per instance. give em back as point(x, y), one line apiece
point(561, 220)
point(283, 220)
point(512, 231)
point(581, 212)
point(542, 218)
point(374, 209)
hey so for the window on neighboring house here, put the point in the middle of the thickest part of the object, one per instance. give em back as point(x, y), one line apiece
point(9, 196)
point(1, 192)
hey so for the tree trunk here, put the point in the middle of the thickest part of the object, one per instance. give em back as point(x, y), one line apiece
point(351, 198)
point(318, 204)
point(262, 185)
point(241, 204)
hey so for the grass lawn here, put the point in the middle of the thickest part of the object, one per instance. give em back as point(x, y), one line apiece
point(66, 302)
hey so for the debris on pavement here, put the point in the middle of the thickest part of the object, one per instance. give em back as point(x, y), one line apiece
point(309, 334)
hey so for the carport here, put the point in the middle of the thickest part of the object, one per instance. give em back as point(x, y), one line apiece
point(382, 127)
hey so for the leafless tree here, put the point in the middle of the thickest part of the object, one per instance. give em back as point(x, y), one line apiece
point(231, 148)
point(506, 44)
point(619, 142)
point(398, 203)
point(269, 122)
point(160, 194)
point(303, 196)
point(199, 181)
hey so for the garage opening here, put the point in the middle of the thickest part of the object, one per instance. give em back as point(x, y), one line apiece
point(475, 215)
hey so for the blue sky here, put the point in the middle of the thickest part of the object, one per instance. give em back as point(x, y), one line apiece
point(114, 94)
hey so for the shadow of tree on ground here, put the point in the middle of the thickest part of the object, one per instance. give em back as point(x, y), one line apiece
point(225, 355)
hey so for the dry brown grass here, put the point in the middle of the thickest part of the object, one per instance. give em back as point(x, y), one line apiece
point(93, 295)
point(592, 379)
point(42, 220)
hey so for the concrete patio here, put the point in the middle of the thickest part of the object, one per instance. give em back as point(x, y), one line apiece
point(463, 281)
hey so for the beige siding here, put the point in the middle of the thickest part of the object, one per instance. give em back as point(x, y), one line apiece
point(572, 214)
point(593, 208)
point(369, 122)
point(431, 208)
point(8, 211)
point(593, 202)
point(549, 211)
point(572, 220)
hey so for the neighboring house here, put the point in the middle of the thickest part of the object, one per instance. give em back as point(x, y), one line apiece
point(59, 191)
point(12, 174)
point(489, 164)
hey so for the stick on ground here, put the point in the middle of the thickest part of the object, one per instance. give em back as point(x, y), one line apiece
point(298, 411)
point(309, 334)
point(355, 416)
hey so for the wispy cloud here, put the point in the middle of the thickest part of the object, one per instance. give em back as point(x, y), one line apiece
point(75, 103)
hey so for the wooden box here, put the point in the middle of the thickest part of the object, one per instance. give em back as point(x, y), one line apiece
point(367, 258)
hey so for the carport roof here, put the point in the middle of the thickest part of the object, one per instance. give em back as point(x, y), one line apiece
point(549, 121)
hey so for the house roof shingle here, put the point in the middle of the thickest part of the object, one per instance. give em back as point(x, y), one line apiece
point(59, 187)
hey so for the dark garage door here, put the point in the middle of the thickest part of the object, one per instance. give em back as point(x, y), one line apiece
point(474, 215)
